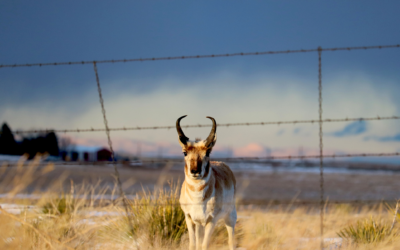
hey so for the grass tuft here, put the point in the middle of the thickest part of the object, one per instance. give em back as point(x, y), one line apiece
point(368, 231)
point(63, 205)
point(158, 217)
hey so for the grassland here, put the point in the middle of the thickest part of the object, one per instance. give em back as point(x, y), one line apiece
point(70, 215)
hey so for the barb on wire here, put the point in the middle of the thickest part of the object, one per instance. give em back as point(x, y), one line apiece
point(378, 118)
point(200, 56)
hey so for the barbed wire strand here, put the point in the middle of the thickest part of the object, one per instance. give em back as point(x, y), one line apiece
point(200, 56)
point(269, 203)
point(321, 145)
point(117, 176)
point(227, 159)
point(294, 122)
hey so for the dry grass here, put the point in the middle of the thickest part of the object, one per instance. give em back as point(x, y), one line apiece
point(80, 218)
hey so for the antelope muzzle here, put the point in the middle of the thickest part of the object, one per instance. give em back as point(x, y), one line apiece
point(196, 168)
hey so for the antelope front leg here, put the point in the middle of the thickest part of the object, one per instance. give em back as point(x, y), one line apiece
point(199, 236)
point(207, 233)
point(192, 236)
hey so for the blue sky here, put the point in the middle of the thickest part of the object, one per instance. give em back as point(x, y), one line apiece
point(254, 88)
point(355, 128)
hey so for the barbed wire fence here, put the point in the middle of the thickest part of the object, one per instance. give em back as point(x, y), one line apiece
point(320, 121)
point(200, 56)
point(294, 122)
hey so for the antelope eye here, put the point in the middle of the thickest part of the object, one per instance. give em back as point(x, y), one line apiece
point(184, 153)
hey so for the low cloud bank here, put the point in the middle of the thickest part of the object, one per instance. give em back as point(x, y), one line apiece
point(229, 97)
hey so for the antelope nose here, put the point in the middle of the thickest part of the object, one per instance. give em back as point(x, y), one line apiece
point(194, 171)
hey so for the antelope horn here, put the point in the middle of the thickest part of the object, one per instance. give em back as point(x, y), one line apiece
point(210, 138)
point(182, 136)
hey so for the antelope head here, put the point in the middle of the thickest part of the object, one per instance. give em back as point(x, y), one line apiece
point(197, 153)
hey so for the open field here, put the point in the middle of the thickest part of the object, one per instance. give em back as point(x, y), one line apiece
point(79, 214)
point(255, 187)
point(257, 229)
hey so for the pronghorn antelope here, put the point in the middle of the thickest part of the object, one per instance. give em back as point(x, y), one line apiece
point(207, 194)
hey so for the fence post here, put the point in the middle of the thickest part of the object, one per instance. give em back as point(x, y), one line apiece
point(321, 166)
point(121, 191)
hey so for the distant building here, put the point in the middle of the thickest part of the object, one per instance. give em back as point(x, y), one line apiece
point(86, 153)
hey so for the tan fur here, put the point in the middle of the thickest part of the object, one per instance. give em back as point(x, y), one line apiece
point(223, 174)
point(186, 188)
point(207, 194)
point(212, 199)
point(198, 150)
point(197, 189)
point(210, 188)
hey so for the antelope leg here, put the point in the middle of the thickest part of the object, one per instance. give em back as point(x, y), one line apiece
point(208, 232)
point(191, 230)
